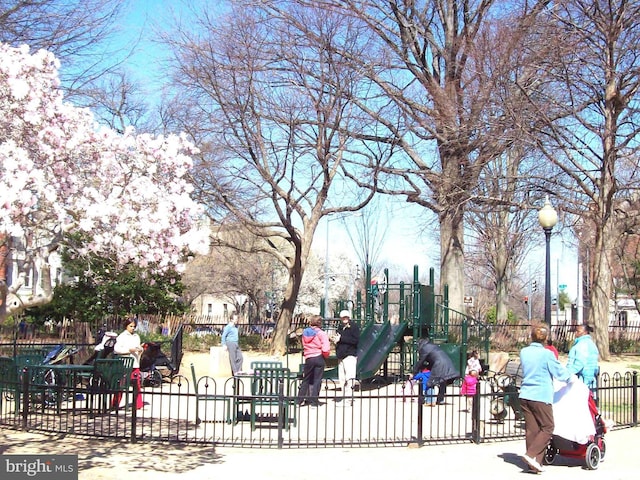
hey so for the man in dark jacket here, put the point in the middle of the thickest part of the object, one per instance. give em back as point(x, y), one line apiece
point(347, 339)
point(443, 372)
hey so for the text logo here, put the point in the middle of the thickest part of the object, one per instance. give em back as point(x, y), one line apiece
point(50, 467)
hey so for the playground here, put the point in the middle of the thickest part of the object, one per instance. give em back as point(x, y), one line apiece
point(258, 408)
point(392, 318)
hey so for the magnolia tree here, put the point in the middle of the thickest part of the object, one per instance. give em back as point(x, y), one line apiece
point(60, 173)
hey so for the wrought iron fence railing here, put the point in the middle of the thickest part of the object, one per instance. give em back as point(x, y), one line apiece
point(500, 336)
point(229, 413)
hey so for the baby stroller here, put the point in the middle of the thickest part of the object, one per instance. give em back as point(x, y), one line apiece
point(155, 365)
point(104, 348)
point(577, 439)
point(50, 385)
point(59, 354)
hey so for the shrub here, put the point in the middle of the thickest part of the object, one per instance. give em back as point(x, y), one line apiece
point(251, 342)
point(200, 343)
point(623, 345)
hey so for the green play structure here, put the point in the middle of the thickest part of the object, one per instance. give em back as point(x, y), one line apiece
point(393, 317)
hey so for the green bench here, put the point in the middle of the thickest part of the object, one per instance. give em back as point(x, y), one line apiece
point(207, 394)
point(272, 387)
point(111, 377)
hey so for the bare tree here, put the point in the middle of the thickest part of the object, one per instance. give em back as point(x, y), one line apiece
point(503, 230)
point(438, 100)
point(118, 101)
point(78, 32)
point(226, 272)
point(269, 107)
point(589, 101)
point(86, 36)
point(369, 234)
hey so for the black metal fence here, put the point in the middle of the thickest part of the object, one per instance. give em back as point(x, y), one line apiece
point(502, 336)
point(232, 413)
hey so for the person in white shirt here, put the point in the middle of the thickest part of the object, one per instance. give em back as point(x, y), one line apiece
point(473, 363)
point(128, 344)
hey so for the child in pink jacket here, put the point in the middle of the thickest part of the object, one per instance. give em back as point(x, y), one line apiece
point(469, 387)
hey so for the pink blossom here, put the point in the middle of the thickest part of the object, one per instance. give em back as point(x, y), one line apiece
point(60, 170)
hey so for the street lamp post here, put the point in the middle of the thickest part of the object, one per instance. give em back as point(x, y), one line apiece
point(547, 217)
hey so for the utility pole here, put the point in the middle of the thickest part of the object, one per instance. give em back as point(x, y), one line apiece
point(530, 298)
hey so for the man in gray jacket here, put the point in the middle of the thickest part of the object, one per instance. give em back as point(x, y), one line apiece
point(443, 372)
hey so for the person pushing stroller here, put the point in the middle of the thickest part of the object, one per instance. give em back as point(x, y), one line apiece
point(539, 368)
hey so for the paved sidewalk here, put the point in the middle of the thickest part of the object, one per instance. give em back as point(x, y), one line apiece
point(108, 459)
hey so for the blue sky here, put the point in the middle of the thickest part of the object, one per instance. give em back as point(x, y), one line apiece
point(406, 245)
point(138, 23)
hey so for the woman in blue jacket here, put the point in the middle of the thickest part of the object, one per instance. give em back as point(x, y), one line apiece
point(539, 368)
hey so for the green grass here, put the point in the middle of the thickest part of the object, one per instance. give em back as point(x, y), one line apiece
point(614, 409)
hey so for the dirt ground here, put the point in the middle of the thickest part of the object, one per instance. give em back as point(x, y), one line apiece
point(203, 362)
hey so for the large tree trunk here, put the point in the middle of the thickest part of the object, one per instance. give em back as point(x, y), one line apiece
point(602, 287)
point(279, 342)
point(502, 296)
point(452, 256)
point(607, 235)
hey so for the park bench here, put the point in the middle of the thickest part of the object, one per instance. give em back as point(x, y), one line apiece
point(110, 377)
point(205, 390)
point(271, 388)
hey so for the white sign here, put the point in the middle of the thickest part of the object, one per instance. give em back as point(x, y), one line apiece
point(468, 301)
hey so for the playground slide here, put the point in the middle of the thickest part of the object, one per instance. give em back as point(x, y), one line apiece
point(376, 341)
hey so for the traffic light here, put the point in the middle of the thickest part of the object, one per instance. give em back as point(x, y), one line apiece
point(534, 286)
point(526, 300)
